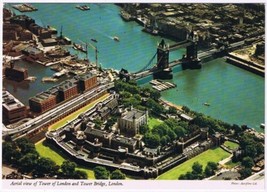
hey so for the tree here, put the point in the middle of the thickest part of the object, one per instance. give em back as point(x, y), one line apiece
point(161, 129)
point(247, 162)
point(151, 140)
point(183, 124)
point(208, 171)
point(172, 110)
point(45, 166)
point(192, 128)
point(210, 168)
point(251, 151)
point(68, 168)
point(25, 146)
point(154, 106)
point(10, 153)
point(182, 177)
point(236, 129)
point(143, 129)
point(101, 172)
point(155, 94)
point(117, 174)
point(197, 168)
point(98, 123)
point(28, 162)
point(171, 134)
point(179, 131)
point(125, 94)
point(172, 123)
point(163, 141)
point(245, 172)
point(260, 148)
point(213, 165)
point(185, 109)
point(78, 174)
point(189, 176)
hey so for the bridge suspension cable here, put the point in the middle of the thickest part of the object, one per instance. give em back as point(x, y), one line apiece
point(148, 64)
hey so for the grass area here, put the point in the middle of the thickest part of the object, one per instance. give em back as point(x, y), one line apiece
point(76, 113)
point(152, 121)
point(231, 145)
point(46, 150)
point(231, 164)
point(215, 155)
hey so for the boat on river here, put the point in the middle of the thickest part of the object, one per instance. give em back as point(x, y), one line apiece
point(79, 47)
point(94, 40)
point(115, 38)
point(206, 104)
point(83, 7)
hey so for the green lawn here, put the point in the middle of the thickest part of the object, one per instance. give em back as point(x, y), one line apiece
point(46, 150)
point(76, 114)
point(215, 155)
point(231, 164)
point(152, 121)
point(231, 145)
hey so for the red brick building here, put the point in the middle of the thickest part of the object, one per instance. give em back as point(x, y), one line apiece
point(32, 53)
point(16, 73)
point(68, 89)
point(87, 82)
point(13, 109)
point(42, 102)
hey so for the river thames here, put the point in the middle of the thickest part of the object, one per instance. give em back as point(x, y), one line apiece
point(235, 95)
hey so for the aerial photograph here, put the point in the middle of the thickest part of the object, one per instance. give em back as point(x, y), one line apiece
point(132, 91)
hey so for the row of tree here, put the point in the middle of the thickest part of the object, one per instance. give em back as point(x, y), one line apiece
point(250, 146)
point(163, 133)
point(131, 95)
point(23, 155)
point(198, 173)
point(101, 172)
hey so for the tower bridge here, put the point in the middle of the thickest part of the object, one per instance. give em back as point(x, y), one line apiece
point(162, 69)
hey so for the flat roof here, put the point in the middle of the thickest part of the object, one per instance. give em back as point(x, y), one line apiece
point(32, 50)
point(10, 102)
point(67, 84)
point(42, 96)
point(86, 76)
point(124, 140)
point(49, 40)
point(94, 132)
point(134, 113)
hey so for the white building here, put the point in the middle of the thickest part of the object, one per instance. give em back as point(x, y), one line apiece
point(131, 120)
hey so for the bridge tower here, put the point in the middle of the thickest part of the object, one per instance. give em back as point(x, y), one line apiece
point(191, 50)
point(163, 69)
point(191, 61)
point(162, 55)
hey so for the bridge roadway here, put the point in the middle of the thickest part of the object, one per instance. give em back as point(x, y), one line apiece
point(43, 119)
point(201, 55)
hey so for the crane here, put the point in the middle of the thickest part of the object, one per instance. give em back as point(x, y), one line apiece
point(93, 47)
point(96, 52)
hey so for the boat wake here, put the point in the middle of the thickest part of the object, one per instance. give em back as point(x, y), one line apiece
point(102, 33)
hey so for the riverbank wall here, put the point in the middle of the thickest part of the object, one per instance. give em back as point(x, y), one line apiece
point(244, 64)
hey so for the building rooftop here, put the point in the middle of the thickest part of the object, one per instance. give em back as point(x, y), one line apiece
point(95, 132)
point(85, 76)
point(49, 40)
point(42, 96)
point(32, 50)
point(124, 140)
point(133, 114)
point(10, 102)
point(22, 18)
point(67, 85)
